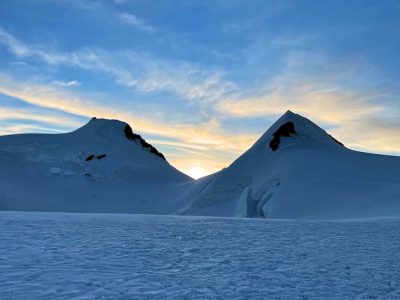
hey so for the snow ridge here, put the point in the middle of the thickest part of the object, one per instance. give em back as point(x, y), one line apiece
point(297, 170)
point(294, 170)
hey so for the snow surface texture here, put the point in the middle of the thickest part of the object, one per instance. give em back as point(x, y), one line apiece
point(295, 170)
point(107, 256)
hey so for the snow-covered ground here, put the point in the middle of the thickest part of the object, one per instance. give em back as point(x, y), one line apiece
point(108, 256)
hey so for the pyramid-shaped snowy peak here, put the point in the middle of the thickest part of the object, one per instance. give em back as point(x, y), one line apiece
point(300, 128)
point(297, 170)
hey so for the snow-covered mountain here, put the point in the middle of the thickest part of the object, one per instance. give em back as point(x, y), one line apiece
point(101, 167)
point(297, 170)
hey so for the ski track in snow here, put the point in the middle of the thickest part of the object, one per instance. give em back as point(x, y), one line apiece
point(99, 256)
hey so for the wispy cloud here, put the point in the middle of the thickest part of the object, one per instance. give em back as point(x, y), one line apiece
point(319, 96)
point(313, 86)
point(140, 71)
point(47, 119)
point(186, 81)
point(268, 71)
point(71, 83)
point(201, 138)
point(373, 134)
point(13, 44)
point(134, 21)
point(12, 128)
point(330, 106)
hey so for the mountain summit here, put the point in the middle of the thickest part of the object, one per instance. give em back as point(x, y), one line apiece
point(294, 128)
point(101, 167)
point(295, 170)
point(114, 130)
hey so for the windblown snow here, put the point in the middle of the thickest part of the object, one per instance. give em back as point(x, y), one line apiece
point(295, 170)
point(106, 256)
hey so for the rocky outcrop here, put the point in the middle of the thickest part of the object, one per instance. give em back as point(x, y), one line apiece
point(90, 157)
point(285, 130)
point(136, 137)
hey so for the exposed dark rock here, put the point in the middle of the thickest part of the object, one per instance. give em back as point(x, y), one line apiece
point(90, 157)
point(144, 143)
point(130, 135)
point(101, 156)
point(156, 152)
point(274, 144)
point(94, 118)
point(285, 130)
point(341, 144)
point(136, 137)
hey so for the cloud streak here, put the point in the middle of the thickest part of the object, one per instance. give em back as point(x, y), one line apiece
point(266, 74)
point(318, 90)
point(13, 44)
point(140, 71)
point(332, 106)
point(71, 83)
point(49, 121)
point(185, 138)
point(134, 21)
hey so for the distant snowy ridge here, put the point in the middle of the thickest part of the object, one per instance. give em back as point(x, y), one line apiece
point(295, 170)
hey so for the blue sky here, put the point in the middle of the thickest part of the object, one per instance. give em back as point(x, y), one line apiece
point(202, 80)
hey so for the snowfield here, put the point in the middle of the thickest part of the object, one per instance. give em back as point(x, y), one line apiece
point(109, 256)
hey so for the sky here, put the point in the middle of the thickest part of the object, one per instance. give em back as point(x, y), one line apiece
point(203, 80)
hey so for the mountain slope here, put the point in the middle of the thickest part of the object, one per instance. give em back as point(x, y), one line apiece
point(297, 170)
point(101, 167)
